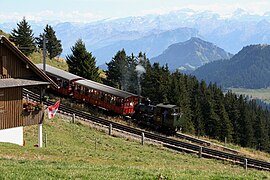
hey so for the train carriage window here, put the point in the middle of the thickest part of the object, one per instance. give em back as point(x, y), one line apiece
point(59, 82)
point(113, 100)
point(86, 91)
point(118, 102)
point(65, 84)
point(78, 88)
point(91, 91)
point(73, 86)
point(102, 96)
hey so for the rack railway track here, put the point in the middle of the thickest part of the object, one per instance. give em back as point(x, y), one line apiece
point(166, 141)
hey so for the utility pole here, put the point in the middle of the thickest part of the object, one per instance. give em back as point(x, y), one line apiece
point(44, 53)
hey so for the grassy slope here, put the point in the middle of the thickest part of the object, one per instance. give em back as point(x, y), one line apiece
point(60, 63)
point(71, 154)
point(263, 94)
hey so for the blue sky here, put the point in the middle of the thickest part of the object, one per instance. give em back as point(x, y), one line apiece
point(91, 10)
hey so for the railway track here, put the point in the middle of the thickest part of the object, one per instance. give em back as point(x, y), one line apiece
point(167, 142)
point(205, 143)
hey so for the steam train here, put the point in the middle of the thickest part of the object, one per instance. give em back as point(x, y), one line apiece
point(162, 116)
point(115, 100)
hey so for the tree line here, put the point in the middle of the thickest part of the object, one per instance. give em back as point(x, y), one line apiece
point(206, 109)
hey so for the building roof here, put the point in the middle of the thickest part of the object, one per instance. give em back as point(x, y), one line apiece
point(168, 106)
point(10, 82)
point(25, 59)
point(105, 89)
point(59, 73)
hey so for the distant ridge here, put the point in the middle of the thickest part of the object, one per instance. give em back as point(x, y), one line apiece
point(191, 54)
point(249, 68)
point(152, 44)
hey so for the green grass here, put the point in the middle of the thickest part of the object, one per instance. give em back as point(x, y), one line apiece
point(37, 57)
point(71, 154)
point(263, 94)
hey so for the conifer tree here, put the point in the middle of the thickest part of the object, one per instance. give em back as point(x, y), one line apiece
point(246, 124)
point(132, 74)
point(197, 117)
point(82, 63)
point(261, 133)
point(53, 45)
point(232, 108)
point(117, 70)
point(23, 37)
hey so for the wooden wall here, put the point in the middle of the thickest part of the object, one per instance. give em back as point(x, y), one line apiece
point(11, 110)
point(11, 66)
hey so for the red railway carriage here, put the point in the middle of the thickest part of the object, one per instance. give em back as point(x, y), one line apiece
point(63, 79)
point(94, 93)
point(107, 97)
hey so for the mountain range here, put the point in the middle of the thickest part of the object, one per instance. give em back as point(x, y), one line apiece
point(145, 33)
point(249, 68)
point(189, 55)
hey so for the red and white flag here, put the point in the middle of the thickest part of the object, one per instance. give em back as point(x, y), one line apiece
point(53, 109)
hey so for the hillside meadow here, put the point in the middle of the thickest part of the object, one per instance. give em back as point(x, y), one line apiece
point(76, 151)
point(263, 94)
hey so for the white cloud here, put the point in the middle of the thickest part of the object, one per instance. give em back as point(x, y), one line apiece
point(74, 16)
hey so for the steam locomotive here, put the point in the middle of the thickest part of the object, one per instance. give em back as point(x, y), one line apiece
point(164, 117)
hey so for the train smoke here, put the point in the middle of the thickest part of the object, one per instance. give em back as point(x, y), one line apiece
point(140, 70)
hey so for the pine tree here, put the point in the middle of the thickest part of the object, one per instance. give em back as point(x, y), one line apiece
point(132, 83)
point(246, 121)
point(232, 108)
point(82, 63)
point(224, 125)
point(23, 37)
point(197, 116)
point(261, 133)
point(53, 45)
point(117, 70)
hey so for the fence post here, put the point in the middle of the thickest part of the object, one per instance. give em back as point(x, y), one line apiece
point(200, 152)
point(73, 118)
point(142, 138)
point(245, 164)
point(40, 140)
point(110, 129)
point(225, 141)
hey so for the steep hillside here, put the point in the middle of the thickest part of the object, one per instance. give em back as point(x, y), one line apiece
point(191, 54)
point(250, 68)
point(75, 151)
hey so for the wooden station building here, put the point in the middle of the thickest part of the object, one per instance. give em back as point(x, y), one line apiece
point(17, 73)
